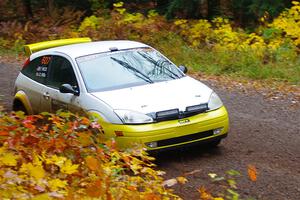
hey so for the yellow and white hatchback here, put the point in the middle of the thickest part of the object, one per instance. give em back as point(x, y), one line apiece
point(138, 94)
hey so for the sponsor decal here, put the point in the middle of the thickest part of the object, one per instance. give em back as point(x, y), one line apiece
point(183, 121)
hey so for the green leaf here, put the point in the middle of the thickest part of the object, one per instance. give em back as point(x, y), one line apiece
point(233, 173)
point(234, 194)
point(232, 183)
point(219, 179)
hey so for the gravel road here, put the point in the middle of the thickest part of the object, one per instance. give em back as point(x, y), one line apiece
point(263, 133)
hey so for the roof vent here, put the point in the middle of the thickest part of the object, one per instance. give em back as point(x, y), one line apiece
point(113, 49)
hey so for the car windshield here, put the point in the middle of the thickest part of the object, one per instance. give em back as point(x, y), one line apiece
point(126, 68)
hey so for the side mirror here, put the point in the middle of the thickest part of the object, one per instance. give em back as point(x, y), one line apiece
point(67, 88)
point(183, 68)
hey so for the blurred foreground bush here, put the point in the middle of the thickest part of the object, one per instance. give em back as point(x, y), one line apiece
point(63, 156)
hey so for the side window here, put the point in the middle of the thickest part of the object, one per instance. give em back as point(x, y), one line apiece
point(61, 72)
point(37, 69)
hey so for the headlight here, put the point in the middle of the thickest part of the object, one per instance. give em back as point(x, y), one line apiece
point(214, 102)
point(132, 117)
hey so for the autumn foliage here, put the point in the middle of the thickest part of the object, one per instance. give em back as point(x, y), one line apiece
point(63, 156)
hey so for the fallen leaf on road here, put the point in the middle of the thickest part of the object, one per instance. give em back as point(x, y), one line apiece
point(252, 173)
point(212, 175)
point(204, 194)
point(181, 179)
point(170, 182)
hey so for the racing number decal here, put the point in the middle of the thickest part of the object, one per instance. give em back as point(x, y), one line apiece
point(45, 60)
point(41, 70)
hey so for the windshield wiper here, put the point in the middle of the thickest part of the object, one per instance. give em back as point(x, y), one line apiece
point(138, 73)
point(156, 63)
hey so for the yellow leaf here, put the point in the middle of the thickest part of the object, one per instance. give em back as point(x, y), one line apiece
point(2, 150)
point(9, 159)
point(68, 167)
point(181, 179)
point(37, 172)
point(204, 194)
point(36, 160)
point(44, 196)
point(57, 160)
point(118, 5)
point(56, 184)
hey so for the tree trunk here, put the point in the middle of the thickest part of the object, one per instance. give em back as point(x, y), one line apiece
point(27, 8)
point(225, 8)
point(203, 8)
point(51, 8)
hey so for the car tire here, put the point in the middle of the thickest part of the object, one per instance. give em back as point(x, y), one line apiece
point(18, 106)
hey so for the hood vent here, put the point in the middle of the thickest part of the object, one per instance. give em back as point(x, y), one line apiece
point(176, 114)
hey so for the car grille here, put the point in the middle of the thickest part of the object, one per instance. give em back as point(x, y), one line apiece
point(186, 138)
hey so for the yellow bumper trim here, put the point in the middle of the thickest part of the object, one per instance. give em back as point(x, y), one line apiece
point(169, 129)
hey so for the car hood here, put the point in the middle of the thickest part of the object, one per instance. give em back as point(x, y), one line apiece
point(178, 93)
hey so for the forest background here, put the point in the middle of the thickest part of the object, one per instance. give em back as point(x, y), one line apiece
point(250, 38)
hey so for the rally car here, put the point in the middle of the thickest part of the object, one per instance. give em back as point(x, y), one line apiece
point(138, 95)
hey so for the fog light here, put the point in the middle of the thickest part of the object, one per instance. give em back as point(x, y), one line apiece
point(151, 144)
point(218, 131)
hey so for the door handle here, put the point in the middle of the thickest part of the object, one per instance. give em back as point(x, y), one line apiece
point(46, 95)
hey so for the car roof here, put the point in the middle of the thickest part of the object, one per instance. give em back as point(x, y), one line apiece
point(77, 50)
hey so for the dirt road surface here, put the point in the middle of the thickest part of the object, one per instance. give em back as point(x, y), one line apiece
point(263, 133)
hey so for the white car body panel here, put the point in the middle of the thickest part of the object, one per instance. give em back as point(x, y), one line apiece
point(32, 90)
point(158, 96)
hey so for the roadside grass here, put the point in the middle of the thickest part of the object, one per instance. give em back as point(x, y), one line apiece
point(280, 66)
point(7, 52)
point(276, 67)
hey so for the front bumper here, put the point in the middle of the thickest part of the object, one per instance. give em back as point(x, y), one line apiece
point(208, 141)
point(171, 133)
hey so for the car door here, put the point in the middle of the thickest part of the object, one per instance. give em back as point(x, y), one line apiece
point(36, 72)
point(60, 72)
